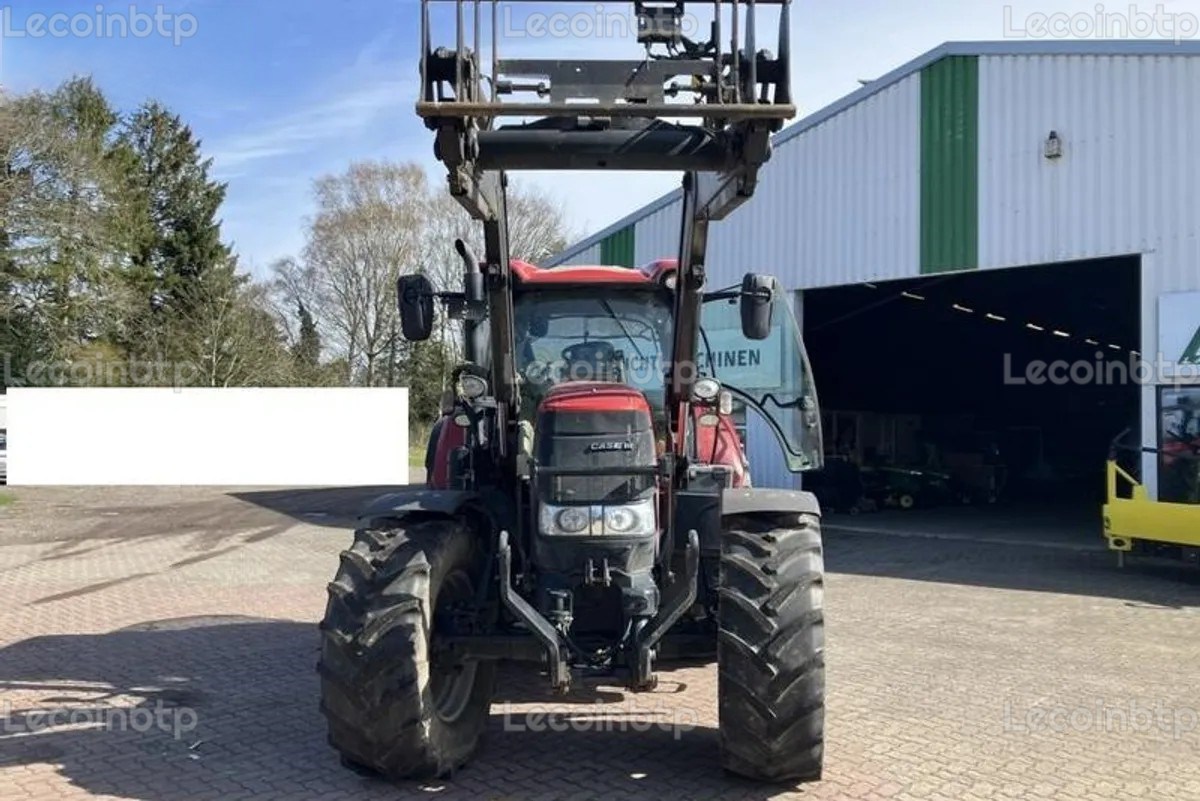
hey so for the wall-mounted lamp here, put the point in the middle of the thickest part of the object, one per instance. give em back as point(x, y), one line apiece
point(1054, 146)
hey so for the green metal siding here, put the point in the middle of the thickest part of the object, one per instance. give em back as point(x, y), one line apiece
point(950, 165)
point(616, 249)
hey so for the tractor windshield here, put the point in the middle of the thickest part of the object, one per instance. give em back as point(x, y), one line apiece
point(575, 336)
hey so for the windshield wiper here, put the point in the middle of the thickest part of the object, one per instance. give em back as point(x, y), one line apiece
point(608, 308)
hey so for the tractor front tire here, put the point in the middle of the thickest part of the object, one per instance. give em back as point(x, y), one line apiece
point(771, 648)
point(391, 707)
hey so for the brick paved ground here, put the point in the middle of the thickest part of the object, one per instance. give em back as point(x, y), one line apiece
point(122, 605)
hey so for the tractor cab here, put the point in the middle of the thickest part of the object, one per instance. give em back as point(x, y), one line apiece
point(588, 324)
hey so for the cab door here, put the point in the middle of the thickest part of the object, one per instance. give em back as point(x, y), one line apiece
point(772, 375)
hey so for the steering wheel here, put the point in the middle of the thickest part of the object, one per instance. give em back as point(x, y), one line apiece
point(595, 352)
point(591, 361)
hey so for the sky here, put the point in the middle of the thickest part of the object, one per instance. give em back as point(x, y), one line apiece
point(281, 92)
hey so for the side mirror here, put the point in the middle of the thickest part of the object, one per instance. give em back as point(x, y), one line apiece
point(414, 293)
point(757, 303)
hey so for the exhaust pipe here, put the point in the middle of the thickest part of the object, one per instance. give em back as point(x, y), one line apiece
point(476, 299)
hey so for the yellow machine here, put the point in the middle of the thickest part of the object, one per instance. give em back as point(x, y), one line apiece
point(1136, 519)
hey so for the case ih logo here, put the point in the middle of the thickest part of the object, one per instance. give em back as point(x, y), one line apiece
point(610, 446)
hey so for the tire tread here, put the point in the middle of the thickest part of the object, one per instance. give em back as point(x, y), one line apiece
point(770, 651)
point(373, 666)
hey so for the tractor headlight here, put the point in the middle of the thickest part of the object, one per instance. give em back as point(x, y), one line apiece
point(706, 389)
point(572, 519)
point(627, 520)
point(631, 519)
point(620, 519)
point(472, 387)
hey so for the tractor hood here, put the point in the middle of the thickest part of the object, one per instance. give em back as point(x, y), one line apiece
point(597, 431)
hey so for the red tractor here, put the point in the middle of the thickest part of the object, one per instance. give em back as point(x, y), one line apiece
point(589, 508)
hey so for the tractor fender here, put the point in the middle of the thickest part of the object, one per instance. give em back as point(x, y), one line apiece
point(751, 500)
point(419, 500)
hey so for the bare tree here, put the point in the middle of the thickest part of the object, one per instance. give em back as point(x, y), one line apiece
point(231, 336)
point(366, 232)
point(537, 230)
point(291, 286)
point(537, 225)
point(374, 223)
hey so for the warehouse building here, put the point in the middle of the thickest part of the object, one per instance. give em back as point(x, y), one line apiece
point(994, 252)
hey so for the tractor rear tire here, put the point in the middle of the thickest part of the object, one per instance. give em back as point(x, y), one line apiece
point(389, 708)
point(771, 648)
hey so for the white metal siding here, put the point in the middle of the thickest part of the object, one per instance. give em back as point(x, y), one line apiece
point(1128, 178)
point(768, 468)
point(656, 236)
point(588, 256)
point(837, 204)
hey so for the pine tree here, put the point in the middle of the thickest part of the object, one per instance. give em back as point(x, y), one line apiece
point(307, 350)
point(180, 235)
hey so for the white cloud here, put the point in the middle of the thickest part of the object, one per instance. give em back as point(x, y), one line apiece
point(373, 87)
point(326, 121)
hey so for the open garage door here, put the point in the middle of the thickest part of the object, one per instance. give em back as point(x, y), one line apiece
point(979, 401)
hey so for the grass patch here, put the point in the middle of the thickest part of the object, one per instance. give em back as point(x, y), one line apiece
point(7, 499)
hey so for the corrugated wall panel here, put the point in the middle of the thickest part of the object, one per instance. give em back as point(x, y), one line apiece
point(589, 256)
point(949, 164)
point(658, 234)
point(838, 204)
point(617, 248)
point(1128, 175)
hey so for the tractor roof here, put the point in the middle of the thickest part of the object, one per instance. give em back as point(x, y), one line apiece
point(654, 272)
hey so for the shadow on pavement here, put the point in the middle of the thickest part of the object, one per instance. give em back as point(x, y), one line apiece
point(227, 707)
point(1015, 567)
point(1071, 526)
point(323, 506)
point(319, 506)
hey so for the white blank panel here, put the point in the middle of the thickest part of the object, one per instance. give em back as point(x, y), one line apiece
point(256, 437)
